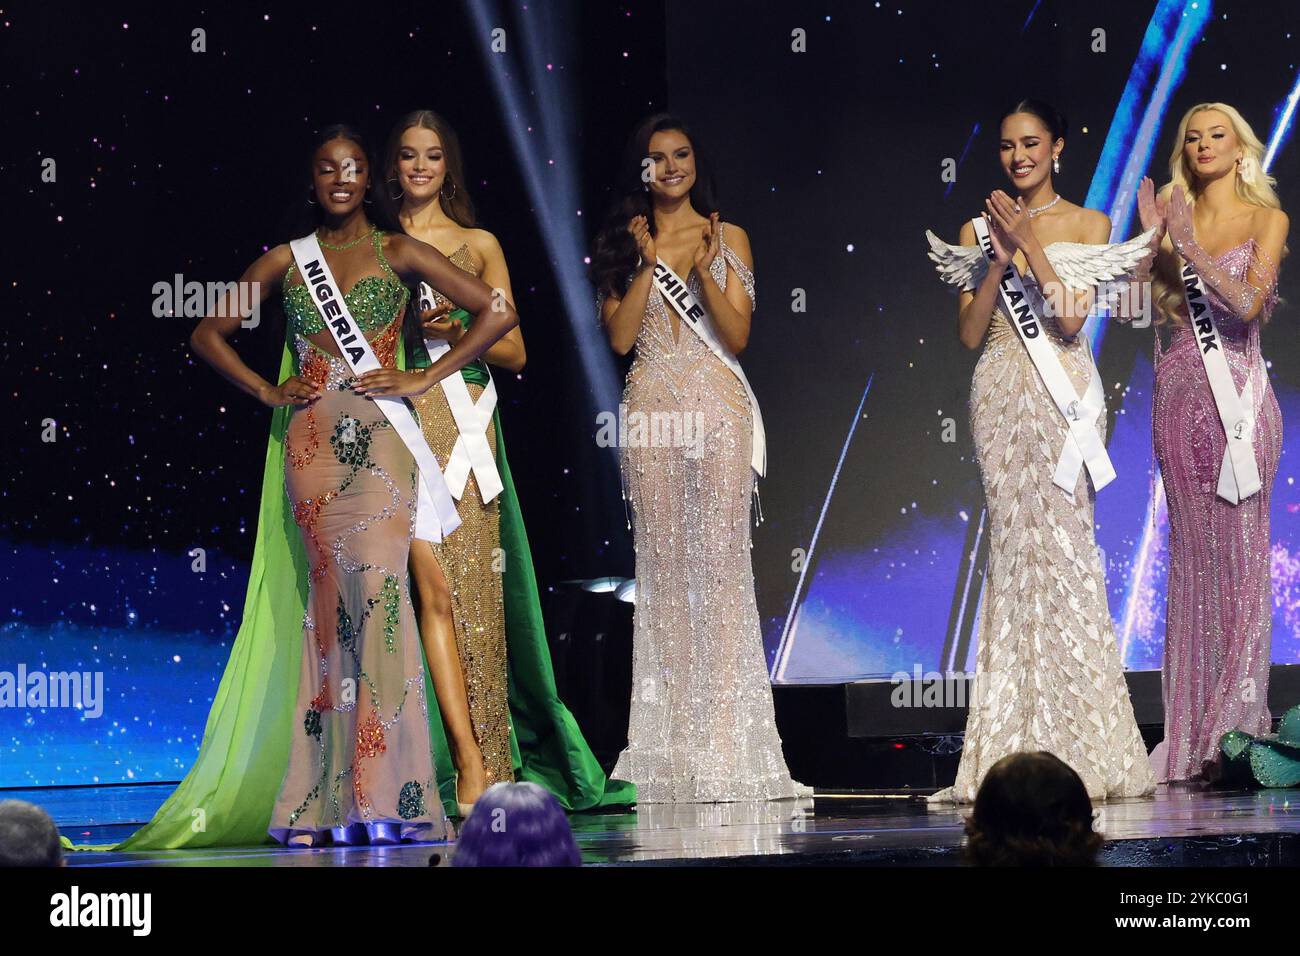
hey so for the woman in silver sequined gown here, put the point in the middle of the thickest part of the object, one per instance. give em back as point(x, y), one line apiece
point(702, 727)
point(1048, 670)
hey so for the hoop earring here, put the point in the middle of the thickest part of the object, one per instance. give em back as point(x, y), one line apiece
point(400, 193)
point(453, 192)
point(1056, 165)
point(310, 200)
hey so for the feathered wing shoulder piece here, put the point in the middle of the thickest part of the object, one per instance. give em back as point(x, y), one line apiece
point(960, 266)
point(1082, 265)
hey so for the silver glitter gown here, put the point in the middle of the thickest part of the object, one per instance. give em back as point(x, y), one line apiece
point(701, 726)
point(1048, 670)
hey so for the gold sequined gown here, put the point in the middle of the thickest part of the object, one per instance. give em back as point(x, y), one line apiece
point(701, 727)
point(1048, 669)
point(470, 559)
point(360, 765)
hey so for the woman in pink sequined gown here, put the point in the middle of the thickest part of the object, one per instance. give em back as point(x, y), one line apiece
point(1222, 217)
point(701, 727)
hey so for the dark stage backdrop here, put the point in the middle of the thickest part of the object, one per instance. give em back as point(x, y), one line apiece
point(170, 161)
point(871, 559)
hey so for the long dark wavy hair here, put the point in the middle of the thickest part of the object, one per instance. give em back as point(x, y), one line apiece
point(614, 255)
point(454, 198)
point(1032, 810)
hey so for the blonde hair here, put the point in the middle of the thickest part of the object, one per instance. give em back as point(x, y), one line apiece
point(1168, 288)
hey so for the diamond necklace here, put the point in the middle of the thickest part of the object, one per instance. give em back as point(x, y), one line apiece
point(1034, 211)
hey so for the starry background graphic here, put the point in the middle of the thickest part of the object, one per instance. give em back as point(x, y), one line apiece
point(174, 161)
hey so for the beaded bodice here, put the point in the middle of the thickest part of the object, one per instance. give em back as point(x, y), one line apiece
point(655, 343)
point(462, 258)
point(376, 302)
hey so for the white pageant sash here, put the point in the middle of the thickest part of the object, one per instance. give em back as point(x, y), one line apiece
point(473, 419)
point(439, 518)
point(695, 318)
point(1238, 472)
point(1083, 445)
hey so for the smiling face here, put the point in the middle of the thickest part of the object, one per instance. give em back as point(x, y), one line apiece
point(1210, 145)
point(340, 175)
point(421, 164)
point(674, 164)
point(1027, 150)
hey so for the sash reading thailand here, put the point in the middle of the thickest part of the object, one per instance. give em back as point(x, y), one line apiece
point(439, 518)
point(676, 293)
point(1238, 472)
point(1083, 445)
point(471, 453)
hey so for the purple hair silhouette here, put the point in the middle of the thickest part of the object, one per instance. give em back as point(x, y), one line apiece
point(516, 824)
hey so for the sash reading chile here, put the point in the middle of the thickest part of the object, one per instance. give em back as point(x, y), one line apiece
point(439, 518)
point(694, 317)
point(1083, 445)
point(1238, 472)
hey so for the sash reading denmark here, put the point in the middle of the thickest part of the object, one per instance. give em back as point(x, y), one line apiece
point(1083, 445)
point(435, 515)
point(1238, 472)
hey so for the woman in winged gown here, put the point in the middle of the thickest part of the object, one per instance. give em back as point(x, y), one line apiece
point(1048, 670)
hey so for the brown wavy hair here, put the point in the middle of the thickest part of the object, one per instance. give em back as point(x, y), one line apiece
point(459, 207)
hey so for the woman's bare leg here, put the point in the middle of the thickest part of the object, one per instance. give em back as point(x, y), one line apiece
point(438, 635)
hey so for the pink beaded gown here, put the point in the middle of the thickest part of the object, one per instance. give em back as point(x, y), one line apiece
point(1219, 616)
point(701, 727)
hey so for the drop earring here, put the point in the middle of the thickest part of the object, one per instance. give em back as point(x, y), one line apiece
point(1056, 165)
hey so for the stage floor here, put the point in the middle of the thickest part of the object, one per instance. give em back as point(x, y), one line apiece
point(1177, 827)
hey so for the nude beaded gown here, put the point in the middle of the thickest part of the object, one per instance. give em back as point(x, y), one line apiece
point(1048, 669)
point(360, 761)
point(701, 727)
point(1219, 617)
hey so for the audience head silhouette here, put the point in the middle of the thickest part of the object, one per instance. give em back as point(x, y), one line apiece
point(516, 824)
point(1032, 810)
point(28, 837)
